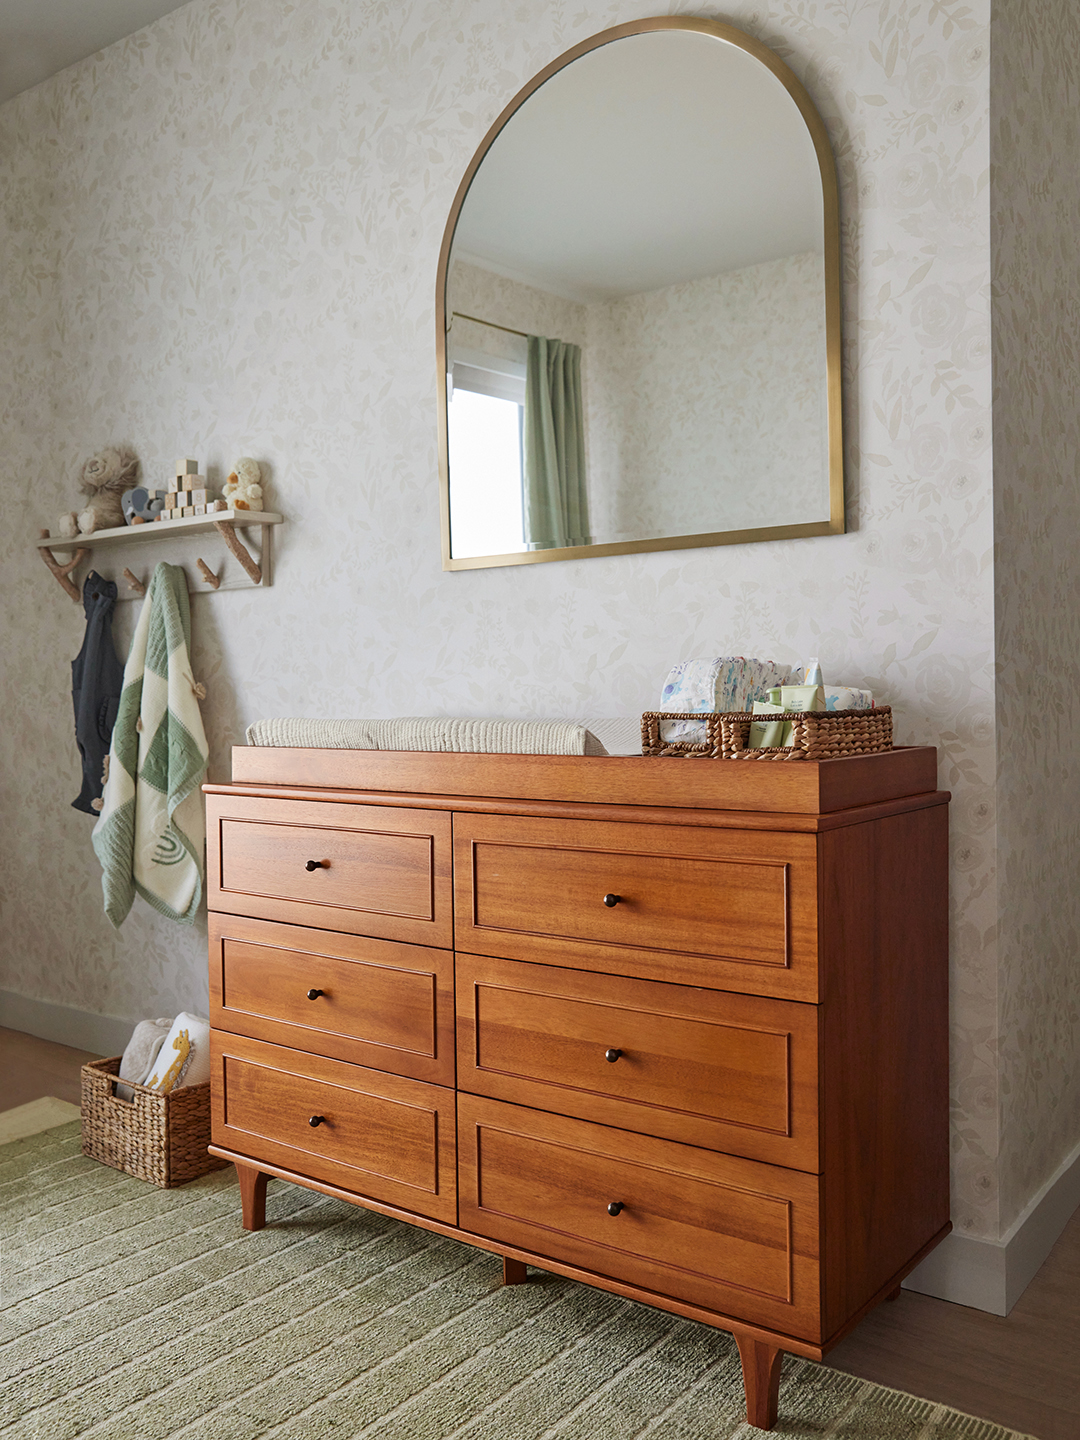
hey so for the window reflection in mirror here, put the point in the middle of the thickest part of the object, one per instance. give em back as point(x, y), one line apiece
point(659, 206)
point(485, 506)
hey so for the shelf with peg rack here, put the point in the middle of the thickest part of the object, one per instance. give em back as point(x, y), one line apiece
point(213, 555)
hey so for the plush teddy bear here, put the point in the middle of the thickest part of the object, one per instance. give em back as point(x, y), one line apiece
point(242, 489)
point(104, 478)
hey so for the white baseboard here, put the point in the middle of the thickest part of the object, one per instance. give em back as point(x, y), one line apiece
point(81, 1029)
point(993, 1274)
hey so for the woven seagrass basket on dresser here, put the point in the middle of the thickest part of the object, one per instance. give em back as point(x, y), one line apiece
point(815, 734)
point(156, 1137)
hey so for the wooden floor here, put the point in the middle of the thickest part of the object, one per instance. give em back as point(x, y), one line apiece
point(31, 1068)
point(1022, 1371)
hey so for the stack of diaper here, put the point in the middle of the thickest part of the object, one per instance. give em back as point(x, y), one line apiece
point(726, 683)
point(166, 1054)
point(730, 683)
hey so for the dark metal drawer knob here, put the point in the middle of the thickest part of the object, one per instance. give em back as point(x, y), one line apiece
point(612, 1055)
point(314, 994)
point(317, 865)
point(321, 1120)
point(615, 1208)
point(612, 900)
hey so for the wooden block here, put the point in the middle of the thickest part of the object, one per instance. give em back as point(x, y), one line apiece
point(199, 509)
point(198, 495)
point(184, 468)
point(174, 485)
point(188, 510)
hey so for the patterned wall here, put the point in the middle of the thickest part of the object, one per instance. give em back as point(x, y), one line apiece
point(1035, 220)
point(704, 401)
point(220, 236)
point(716, 401)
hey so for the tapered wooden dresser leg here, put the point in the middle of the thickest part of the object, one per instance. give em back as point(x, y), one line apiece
point(761, 1380)
point(515, 1272)
point(252, 1196)
point(894, 1295)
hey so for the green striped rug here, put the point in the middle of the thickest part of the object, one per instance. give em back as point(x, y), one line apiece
point(131, 1313)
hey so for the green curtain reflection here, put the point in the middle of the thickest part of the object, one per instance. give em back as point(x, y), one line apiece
point(556, 507)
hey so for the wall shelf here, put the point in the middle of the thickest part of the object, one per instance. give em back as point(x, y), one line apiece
point(127, 554)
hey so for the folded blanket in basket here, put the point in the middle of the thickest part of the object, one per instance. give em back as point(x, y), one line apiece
point(184, 1057)
point(141, 1052)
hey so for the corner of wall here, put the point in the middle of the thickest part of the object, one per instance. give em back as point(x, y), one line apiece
point(992, 1274)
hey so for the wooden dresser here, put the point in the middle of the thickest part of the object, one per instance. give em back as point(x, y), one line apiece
point(675, 1028)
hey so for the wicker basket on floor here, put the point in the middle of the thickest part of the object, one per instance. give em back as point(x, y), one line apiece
point(159, 1138)
point(816, 735)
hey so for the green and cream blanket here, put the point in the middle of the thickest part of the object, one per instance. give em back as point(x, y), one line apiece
point(152, 830)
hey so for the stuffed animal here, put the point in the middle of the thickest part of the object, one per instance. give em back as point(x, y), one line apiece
point(242, 489)
point(141, 505)
point(104, 478)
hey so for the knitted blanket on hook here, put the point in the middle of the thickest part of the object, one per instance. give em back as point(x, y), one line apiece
point(152, 830)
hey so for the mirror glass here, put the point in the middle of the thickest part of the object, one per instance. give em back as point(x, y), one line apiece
point(639, 308)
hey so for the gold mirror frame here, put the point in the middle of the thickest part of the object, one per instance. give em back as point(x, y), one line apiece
point(831, 214)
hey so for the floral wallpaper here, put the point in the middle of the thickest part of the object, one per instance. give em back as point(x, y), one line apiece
point(482, 293)
point(704, 401)
point(219, 238)
point(714, 397)
point(1035, 219)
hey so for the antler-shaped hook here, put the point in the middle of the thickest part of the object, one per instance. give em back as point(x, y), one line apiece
point(228, 534)
point(208, 575)
point(62, 572)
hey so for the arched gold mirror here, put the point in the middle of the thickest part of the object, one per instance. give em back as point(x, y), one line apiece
point(638, 308)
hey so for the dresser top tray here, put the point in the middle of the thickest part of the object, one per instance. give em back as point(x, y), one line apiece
point(812, 787)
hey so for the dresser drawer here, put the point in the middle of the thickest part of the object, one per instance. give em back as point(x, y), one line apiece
point(378, 1003)
point(365, 869)
point(729, 1072)
point(727, 908)
point(732, 1235)
point(379, 1135)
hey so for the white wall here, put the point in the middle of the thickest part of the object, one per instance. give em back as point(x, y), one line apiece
point(219, 237)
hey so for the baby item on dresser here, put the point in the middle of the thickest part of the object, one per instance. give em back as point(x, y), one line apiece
point(837, 697)
point(726, 683)
point(845, 697)
point(184, 1056)
point(470, 736)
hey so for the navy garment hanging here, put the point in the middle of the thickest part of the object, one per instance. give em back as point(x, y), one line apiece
point(97, 678)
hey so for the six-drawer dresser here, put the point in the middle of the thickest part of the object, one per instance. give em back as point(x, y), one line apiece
point(677, 1028)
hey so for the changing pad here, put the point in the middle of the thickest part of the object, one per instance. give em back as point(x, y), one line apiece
point(468, 736)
